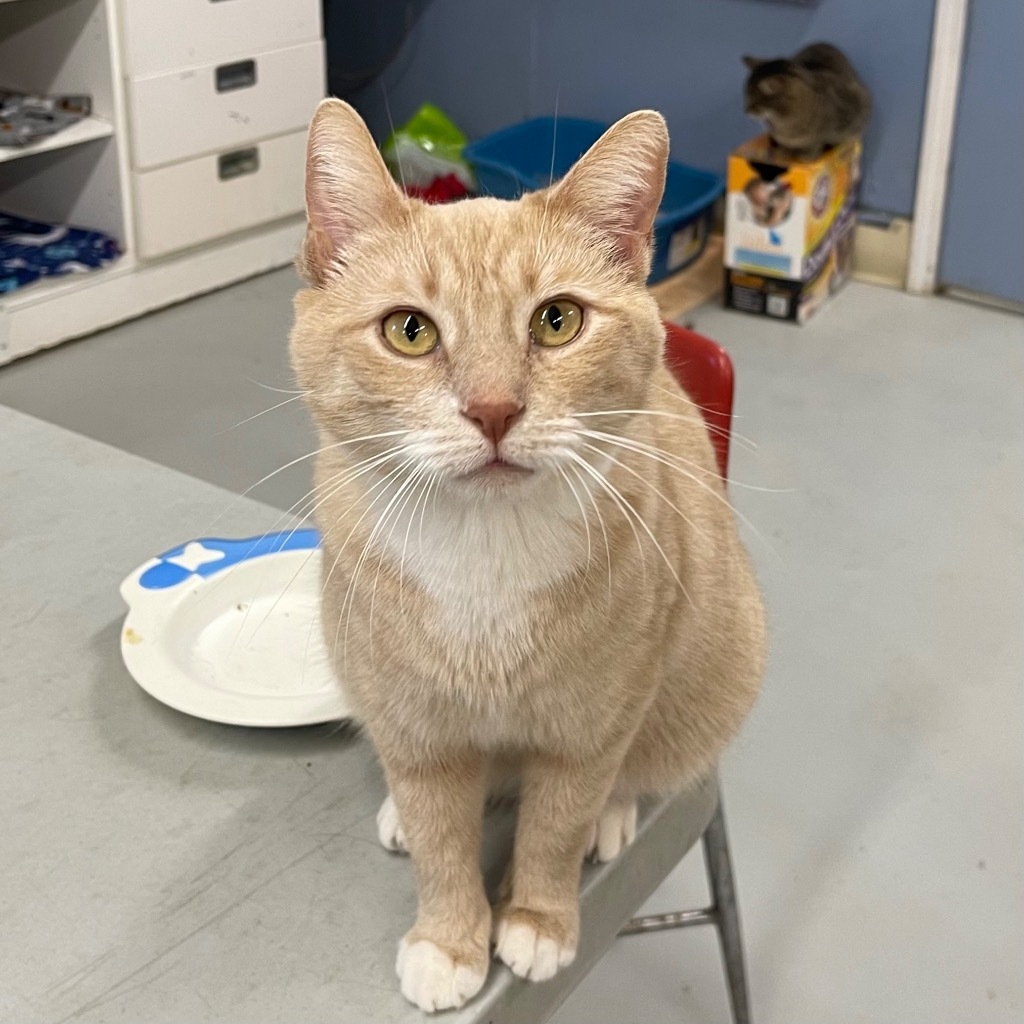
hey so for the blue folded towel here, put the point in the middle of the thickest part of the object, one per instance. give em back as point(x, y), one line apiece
point(30, 250)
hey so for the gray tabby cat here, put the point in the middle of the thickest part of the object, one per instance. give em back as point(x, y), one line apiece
point(808, 102)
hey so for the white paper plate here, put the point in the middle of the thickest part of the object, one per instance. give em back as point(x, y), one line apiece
point(229, 630)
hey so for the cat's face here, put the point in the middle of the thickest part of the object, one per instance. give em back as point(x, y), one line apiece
point(468, 336)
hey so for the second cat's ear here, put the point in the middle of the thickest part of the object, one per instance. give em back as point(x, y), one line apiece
point(617, 186)
point(348, 189)
point(753, 63)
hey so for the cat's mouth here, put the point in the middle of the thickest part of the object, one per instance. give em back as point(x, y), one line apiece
point(497, 468)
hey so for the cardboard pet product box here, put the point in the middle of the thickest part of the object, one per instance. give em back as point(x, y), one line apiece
point(788, 228)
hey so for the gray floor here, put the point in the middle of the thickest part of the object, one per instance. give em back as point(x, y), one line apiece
point(875, 797)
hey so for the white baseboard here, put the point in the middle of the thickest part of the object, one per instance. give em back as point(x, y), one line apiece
point(49, 313)
point(984, 299)
point(881, 252)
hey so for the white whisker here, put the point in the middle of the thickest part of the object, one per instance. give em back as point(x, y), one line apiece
point(614, 491)
point(696, 466)
point(280, 391)
point(656, 454)
point(256, 416)
point(681, 396)
point(368, 466)
point(430, 498)
point(401, 178)
point(300, 514)
point(551, 175)
point(409, 488)
point(377, 527)
point(668, 501)
point(311, 501)
point(600, 519)
point(334, 565)
point(303, 458)
point(421, 497)
point(391, 123)
point(671, 416)
point(376, 487)
point(583, 511)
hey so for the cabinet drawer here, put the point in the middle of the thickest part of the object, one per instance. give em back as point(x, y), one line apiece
point(217, 106)
point(166, 35)
point(211, 196)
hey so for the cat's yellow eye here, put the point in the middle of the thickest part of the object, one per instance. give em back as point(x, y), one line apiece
point(410, 333)
point(556, 323)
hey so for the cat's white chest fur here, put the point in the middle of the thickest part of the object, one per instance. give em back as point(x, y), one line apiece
point(483, 561)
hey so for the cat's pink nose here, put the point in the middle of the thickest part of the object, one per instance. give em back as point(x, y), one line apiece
point(494, 418)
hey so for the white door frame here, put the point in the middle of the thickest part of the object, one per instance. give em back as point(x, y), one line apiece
point(949, 30)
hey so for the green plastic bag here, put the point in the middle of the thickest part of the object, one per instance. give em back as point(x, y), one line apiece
point(428, 146)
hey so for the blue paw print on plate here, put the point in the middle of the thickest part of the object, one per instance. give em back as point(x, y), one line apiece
point(209, 555)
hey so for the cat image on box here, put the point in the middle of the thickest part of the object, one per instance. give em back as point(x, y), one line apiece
point(770, 201)
point(808, 102)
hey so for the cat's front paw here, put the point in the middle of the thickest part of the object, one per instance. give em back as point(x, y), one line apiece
point(434, 980)
point(389, 827)
point(532, 944)
point(613, 831)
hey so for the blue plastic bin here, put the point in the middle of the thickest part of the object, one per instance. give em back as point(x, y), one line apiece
point(518, 159)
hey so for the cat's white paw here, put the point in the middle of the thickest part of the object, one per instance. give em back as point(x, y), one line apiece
point(613, 831)
point(432, 980)
point(528, 953)
point(389, 827)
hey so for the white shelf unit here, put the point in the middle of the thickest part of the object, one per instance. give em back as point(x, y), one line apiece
point(192, 159)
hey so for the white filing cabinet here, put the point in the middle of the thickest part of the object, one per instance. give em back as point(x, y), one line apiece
point(193, 159)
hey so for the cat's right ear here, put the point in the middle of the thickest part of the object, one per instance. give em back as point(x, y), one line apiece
point(753, 63)
point(348, 189)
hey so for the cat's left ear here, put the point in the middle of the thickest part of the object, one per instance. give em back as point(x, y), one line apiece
point(617, 186)
point(753, 63)
point(349, 189)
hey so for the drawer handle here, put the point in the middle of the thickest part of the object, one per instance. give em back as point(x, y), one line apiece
point(237, 163)
point(240, 75)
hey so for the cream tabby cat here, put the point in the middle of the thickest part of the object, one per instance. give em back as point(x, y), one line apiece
point(531, 570)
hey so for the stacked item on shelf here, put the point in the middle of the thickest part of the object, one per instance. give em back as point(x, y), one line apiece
point(30, 250)
point(26, 117)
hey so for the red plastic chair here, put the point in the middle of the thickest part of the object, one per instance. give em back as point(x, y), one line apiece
point(704, 369)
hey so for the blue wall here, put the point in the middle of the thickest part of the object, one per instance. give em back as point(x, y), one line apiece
point(489, 62)
point(983, 237)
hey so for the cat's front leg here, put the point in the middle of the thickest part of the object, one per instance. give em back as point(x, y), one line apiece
point(442, 961)
point(537, 921)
